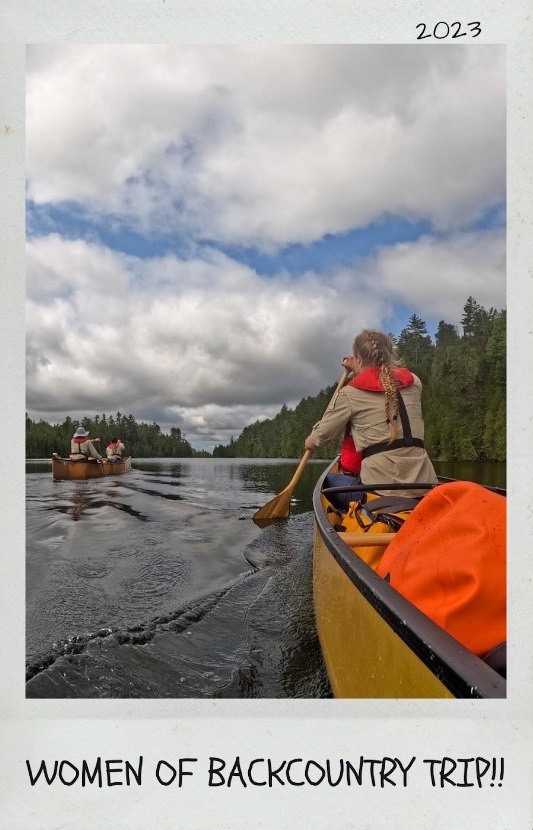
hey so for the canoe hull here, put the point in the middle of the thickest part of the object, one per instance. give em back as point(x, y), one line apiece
point(64, 469)
point(374, 642)
point(364, 658)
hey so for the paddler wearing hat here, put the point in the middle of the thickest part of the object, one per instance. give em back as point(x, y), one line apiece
point(81, 448)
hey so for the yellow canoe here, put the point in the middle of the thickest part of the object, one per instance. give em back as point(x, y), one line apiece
point(65, 469)
point(375, 643)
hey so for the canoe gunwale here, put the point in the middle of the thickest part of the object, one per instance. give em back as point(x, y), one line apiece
point(464, 674)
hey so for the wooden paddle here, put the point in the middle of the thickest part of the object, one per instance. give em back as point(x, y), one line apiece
point(280, 506)
point(99, 461)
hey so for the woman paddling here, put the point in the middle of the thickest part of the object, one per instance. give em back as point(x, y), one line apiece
point(380, 409)
point(81, 448)
point(114, 449)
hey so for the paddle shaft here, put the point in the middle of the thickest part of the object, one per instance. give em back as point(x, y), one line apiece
point(279, 507)
point(307, 454)
point(299, 469)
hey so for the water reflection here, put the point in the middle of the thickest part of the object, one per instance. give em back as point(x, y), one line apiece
point(267, 475)
point(81, 497)
point(491, 473)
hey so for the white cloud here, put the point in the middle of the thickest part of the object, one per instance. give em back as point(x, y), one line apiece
point(209, 345)
point(267, 145)
point(435, 276)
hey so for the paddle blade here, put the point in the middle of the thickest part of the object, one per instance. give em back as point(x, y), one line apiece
point(278, 508)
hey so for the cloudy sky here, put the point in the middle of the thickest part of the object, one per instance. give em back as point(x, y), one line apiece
point(209, 226)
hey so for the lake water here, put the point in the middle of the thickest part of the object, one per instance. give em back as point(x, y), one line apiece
point(158, 583)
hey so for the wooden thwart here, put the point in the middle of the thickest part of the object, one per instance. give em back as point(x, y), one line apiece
point(366, 540)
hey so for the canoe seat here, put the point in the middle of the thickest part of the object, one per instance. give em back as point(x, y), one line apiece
point(496, 658)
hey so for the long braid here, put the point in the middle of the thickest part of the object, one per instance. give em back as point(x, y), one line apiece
point(377, 349)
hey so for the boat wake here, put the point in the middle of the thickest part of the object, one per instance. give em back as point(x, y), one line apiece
point(64, 653)
point(253, 637)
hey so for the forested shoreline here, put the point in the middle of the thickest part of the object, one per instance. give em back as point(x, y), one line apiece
point(464, 401)
point(464, 394)
point(141, 440)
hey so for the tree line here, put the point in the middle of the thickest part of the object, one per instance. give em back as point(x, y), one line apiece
point(141, 440)
point(463, 372)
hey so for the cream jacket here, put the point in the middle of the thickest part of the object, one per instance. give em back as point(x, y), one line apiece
point(83, 450)
point(116, 452)
point(365, 412)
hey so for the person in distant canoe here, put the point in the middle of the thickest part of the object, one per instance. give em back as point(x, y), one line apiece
point(114, 449)
point(81, 448)
point(381, 407)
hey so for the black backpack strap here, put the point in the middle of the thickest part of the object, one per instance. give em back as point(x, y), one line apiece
point(406, 441)
point(394, 504)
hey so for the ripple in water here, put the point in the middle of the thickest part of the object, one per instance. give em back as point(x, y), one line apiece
point(132, 593)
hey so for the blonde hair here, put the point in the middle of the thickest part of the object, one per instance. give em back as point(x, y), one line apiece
point(375, 348)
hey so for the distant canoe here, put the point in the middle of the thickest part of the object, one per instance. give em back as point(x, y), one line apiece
point(65, 469)
point(375, 643)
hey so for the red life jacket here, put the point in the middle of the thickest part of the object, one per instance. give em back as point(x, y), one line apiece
point(368, 379)
point(351, 458)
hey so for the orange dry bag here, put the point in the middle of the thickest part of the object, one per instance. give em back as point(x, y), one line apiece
point(449, 558)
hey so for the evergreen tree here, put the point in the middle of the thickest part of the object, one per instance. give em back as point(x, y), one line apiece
point(446, 335)
point(415, 347)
